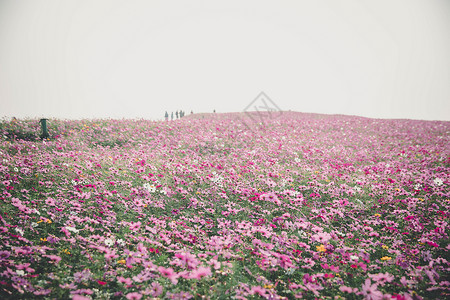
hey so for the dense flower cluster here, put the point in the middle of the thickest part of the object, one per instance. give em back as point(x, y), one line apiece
point(224, 206)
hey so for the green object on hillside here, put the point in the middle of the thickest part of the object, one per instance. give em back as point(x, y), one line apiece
point(44, 129)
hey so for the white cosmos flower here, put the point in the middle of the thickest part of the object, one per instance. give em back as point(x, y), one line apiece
point(438, 181)
point(109, 242)
point(72, 229)
point(217, 179)
point(354, 257)
point(149, 187)
point(290, 271)
point(302, 234)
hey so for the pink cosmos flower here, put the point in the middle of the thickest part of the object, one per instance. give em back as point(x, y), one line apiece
point(200, 272)
point(169, 273)
point(123, 280)
point(188, 260)
point(370, 291)
point(66, 232)
point(135, 226)
point(110, 255)
point(347, 289)
point(134, 296)
point(404, 281)
point(433, 244)
point(322, 237)
point(54, 258)
point(214, 263)
point(258, 290)
point(43, 292)
point(50, 202)
point(79, 297)
point(156, 289)
point(381, 278)
point(4, 254)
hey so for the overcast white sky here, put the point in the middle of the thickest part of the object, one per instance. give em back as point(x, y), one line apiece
point(133, 59)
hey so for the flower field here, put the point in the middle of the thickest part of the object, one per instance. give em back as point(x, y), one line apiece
point(220, 206)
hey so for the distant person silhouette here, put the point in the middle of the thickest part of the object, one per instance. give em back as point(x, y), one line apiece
point(166, 115)
point(172, 116)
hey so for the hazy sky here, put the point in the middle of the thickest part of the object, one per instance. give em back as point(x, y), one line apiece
point(133, 59)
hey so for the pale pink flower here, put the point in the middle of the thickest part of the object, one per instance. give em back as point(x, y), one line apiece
point(200, 272)
point(54, 258)
point(169, 273)
point(370, 291)
point(187, 260)
point(381, 278)
point(50, 201)
point(347, 289)
point(110, 255)
point(258, 290)
point(135, 226)
point(322, 237)
point(156, 289)
point(134, 296)
point(123, 280)
point(79, 297)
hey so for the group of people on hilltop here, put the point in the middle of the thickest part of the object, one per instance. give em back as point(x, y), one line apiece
point(178, 114)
